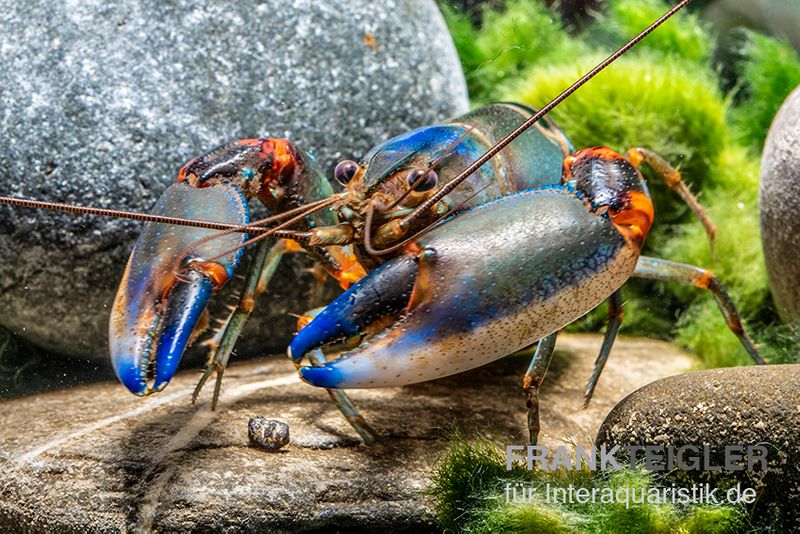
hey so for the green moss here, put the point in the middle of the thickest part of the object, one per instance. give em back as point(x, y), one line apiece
point(713, 520)
point(461, 479)
point(465, 37)
point(779, 343)
point(665, 95)
point(686, 38)
point(771, 71)
point(521, 35)
point(533, 519)
point(650, 101)
point(470, 494)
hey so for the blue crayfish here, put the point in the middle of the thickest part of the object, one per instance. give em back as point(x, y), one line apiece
point(452, 254)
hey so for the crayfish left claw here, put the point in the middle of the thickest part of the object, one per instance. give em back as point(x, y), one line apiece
point(162, 299)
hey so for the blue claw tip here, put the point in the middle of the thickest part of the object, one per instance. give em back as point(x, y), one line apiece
point(302, 343)
point(131, 378)
point(181, 319)
point(320, 330)
point(328, 376)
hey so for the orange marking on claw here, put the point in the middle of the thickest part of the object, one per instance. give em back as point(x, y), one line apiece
point(635, 220)
point(413, 248)
point(351, 270)
point(350, 276)
point(213, 270)
point(216, 272)
point(182, 172)
point(283, 154)
point(350, 273)
point(567, 164)
point(303, 320)
point(602, 152)
point(704, 281)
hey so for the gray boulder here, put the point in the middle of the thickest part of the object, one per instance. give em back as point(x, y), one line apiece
point(737, 406)
point(102, 102)
point(779, 203)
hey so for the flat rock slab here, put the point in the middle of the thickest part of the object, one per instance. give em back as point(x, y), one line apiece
point(96, 458)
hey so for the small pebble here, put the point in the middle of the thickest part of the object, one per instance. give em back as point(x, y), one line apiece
point(268, 434)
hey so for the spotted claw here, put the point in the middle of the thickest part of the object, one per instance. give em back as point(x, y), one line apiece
point(478, 287)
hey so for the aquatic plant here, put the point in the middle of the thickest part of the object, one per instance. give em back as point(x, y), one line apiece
point(470, 494)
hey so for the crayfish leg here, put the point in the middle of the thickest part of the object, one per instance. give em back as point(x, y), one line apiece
point(670, 271)
point(672, 177)
point(533, 378)
point(345, 405)
point(612, 327)
point(262, 267)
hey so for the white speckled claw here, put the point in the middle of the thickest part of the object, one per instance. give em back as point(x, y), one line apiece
point(550, 261)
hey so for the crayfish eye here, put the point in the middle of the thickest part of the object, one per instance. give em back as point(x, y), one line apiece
point(345, 170)
point(422, 179)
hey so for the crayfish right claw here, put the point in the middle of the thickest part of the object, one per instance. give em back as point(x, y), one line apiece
point(384, 292)
point(158, 311)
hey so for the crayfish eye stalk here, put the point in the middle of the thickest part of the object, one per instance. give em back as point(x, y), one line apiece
point(345, 171)
point(614, 188)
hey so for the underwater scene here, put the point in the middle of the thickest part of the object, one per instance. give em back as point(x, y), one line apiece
point(409, 266)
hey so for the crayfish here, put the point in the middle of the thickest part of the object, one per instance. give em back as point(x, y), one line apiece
point(452, 254)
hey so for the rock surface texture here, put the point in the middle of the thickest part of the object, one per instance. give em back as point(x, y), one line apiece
point(102, 102)
point(97, 459)
point(719, 407)
point(779, 203)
